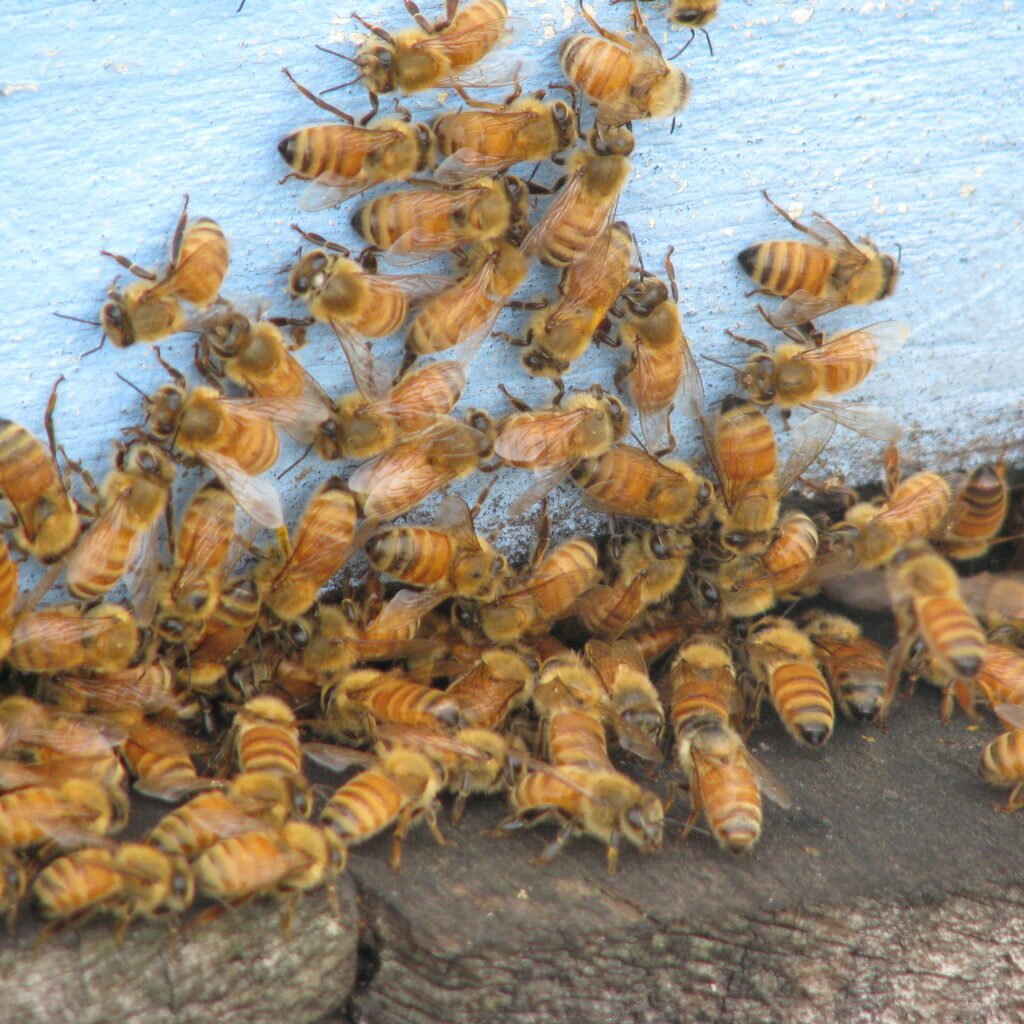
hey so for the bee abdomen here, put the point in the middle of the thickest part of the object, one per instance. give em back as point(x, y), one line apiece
point(804, 703)
point(362, 807)
point(782, 268)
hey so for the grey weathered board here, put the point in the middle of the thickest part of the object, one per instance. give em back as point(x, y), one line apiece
point(889, 892)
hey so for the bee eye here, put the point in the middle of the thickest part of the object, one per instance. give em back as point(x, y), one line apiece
point(300, 803)
point(709, 591)
point(704, 494)
point(659, 548)
point(635, 817)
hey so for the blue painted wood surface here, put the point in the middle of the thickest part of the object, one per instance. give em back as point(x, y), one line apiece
point(899, 119)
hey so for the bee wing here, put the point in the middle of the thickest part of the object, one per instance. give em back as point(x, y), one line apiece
point(1011, 715)
point(523, 590)
point(410, 736)
point(531, 441)
point(143, 573)
point(372, 377)
point(416, 287)
point(66, 828)
point(543, 484)
point(18, 775)
point(299, 415)
point(453, 516)
point(635, 741)
point(727, 486)
point(692, 385)
point(170, 790)
point(332, 190)
point(555, 213)
point(466, 165)
point(208, 548)
point(406, 608)
point(837, 240)
point(428, 388)
point(98, 542)
point(462, 302)
point(808, 440)
point(119, 691)
point(421, 243)
point(874, 344)
point(866, 420)
point(168, 284)
point(800, 308)
point(254, 495)
point(336, 758)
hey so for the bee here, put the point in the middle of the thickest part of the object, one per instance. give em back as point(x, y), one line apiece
point(627, 481)
point(71, 887)
point(344, 160)
point(353, 296)
point(289, 582)
point(232, 621)
point(751, 585)
point(585, 207)
point(702, 682)
point(1002, 760)
point(819, 276)
point(422, 222)
point(254, 355)
point(661, 360)
point(781, 659)
point(628, 79)
point(150, 308)
point(552, 441)
point(694, 15)
point(796, 374)
point(151, 689)
point(604, 804)
point(235, 438)
point(283, 862)
point(547, 594)
point(998, 601)
point(73, 813)
point(368, 696)
point(397, 481)
point(155, 883)
point(188, 594)
point(465, 313)
point(251, 801)
point(265, 737)
point(500, 683)
point(37, 733)
point(609, 610)
point(638, 715)
point(159, 758)
point(871, 534)
point(929, 610)
point(485, 142)
point(448, 557)
point(13, 883)
point(63, 638)
point(401, 789)
point(1001, 676)
point(661, 557)
point(45, 518)
point(433, 55)
point(977, 512)
point(855, 666)
point(123, 537)
point(741, 446)
point(341, 635)
point(559, 335)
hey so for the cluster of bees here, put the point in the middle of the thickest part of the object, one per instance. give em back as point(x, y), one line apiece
point(475, 677)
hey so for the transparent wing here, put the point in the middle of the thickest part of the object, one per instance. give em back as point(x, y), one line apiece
point(875, 344)
point(332, 190)
point(800, 308)
point(143, 574)
point(771, 785)
point(453, 516)
point(867, 420)
point(466, 165)
point(808, 441)
point(254, 495)
point(544, 482)
point(372, 377)
point(538, 440)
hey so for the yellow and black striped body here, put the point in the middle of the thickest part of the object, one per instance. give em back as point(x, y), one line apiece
point(600, 68)
point(208, 422)
point(76, 883)
point(483, 22)
point(414, 554)
point(977, 513)
point(784, 267)
point(803, 702)
point(201, 266)
point(392, 698)
point(576, 736)
point(267, 738)
point(46, 523)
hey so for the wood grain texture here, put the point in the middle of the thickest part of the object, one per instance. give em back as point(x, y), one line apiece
point(899, 119)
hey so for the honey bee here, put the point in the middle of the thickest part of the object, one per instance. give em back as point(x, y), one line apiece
point(1002, 760)
point(352, 295)
point(73, 886)
point(638, 715)
point(977, 512)
point(401, 789)
point(1001, 676)
point(795, 374)
point(235, 438)
point(122, 540)
point(283, 862)
point(149, 689)
point(627, 481)
point(609, 610)
point(585, 207)
point(855, 666)
point(37, 733)
point(929, 609)
point(552, 441)
point(265, 737)
point(13, 883)
point(74, 813)
point(500, 683)
point(366, 697)
point(781, 659)
point(694, 15)
point(819, 276)
point(63, 638)
point(604, 804)
point(661, 557)
point(160, 759)
point(434, 55)
point(741, 446)
point(346, 159)
point(628, 79)
point(45, 519)
point(661, 360)
point(703, 686)
point(150, 309)
point(155, 883)
point(559, 335)
point(871, 534)
point(397, 481)
point(422, 222)
point(255, 356)
point(188, 595)
point(465, 313)
point(232, 621)
point(290, 582)
point(448, 557)
point(548, 593)
point(998, 601)
point(484, 142)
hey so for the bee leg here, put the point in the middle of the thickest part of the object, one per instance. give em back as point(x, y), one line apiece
point(744, 340)
point(799, 225)
point(459, 806)
point(430, 814)
point(518, 342)
point(517, 403)
point(418, 17)
point(379, 32)
point(757, 291)
point(402, 826)
point(605, 33)
point(559, 391)
point(138, 271)
point(51, 408)
point(451, 8)
point(374, 107)
point(506, 827)
point(288, 906)
point(408, 359)
point(543, 535)
point(403, 112)
point(176, 375)
point(322, 104)
point(1015, 802)
point(552, 850)
point(613, 852)
point(891, 464)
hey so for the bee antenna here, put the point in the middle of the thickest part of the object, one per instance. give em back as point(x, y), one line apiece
point(134, 386)
point(720, 362)
point(287, 470)
point(78, 319)
point(334, 53)
point(340, 85)
point(899, 254)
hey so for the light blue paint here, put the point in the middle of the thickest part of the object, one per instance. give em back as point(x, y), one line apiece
point(898, 119)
